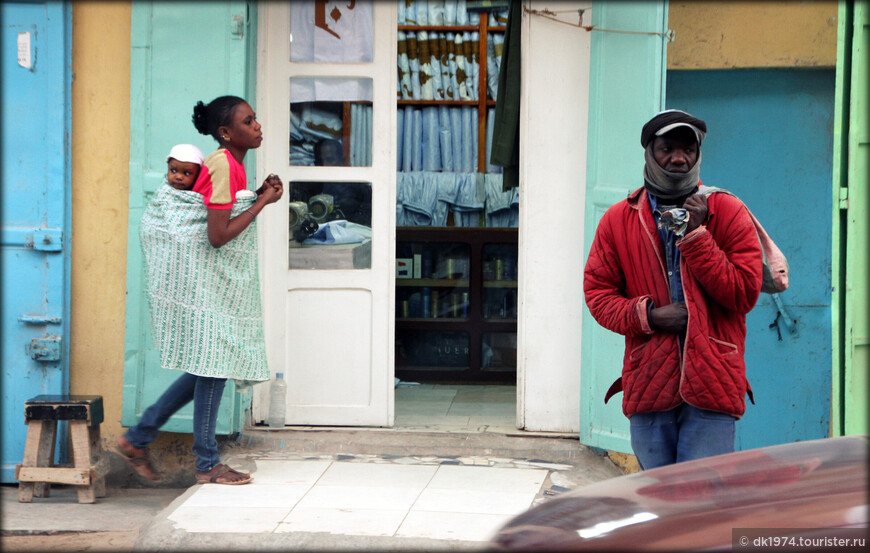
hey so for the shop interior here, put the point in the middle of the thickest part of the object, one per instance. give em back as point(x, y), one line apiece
point(456, 231)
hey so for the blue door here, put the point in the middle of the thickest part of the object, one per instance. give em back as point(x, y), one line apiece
point(35, 187)
point(769, 141)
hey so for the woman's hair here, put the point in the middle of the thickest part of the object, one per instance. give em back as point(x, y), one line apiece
point(218, 113)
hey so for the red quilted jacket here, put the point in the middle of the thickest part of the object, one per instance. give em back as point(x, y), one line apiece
point(721, 270)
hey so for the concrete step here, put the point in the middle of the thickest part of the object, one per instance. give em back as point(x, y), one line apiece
point(546, 447)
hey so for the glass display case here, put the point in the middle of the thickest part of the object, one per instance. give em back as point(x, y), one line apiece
point(456, 304)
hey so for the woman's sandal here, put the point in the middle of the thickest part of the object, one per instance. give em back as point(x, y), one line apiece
point(222, 474)
point(137, 459)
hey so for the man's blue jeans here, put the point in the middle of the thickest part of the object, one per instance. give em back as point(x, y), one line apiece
point(681, 434)
point(206, 395)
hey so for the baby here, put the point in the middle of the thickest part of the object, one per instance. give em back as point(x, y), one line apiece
point(184, 161)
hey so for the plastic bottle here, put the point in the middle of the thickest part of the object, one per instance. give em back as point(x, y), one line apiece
point(277, 401)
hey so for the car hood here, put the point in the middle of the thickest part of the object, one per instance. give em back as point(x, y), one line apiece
point(696, 504)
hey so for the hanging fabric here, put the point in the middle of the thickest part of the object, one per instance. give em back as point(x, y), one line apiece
point(506, 139)
point(332, 31)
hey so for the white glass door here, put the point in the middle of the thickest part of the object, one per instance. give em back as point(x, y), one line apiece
point(326, 87)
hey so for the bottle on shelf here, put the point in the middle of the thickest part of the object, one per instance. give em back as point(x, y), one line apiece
point(427, 306)
point(277, 401)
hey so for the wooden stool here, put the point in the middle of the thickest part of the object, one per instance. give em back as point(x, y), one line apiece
point(37, 471)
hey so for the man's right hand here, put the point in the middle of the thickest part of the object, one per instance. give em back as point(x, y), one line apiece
point(671, 318)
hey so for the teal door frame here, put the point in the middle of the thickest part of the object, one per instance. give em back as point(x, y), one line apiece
point(851, 204)
point(626, 88)
point(181, 53)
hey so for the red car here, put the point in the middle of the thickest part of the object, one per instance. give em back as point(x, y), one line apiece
point(820, 484)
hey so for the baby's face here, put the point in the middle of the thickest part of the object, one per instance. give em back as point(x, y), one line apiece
point(181, 174)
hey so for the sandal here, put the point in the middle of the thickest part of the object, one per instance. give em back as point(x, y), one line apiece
point(222, 474)
point(137, 459)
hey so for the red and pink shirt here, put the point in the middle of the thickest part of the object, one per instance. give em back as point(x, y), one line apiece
point(220, 178)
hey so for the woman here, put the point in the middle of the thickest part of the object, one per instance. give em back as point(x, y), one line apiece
point(201, 277)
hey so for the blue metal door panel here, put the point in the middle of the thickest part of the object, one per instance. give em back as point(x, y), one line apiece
point(34, 183)
point(770, 142)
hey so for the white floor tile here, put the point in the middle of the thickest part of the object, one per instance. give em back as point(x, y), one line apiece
point(359, 497)
point(483, 409)
point(368, 522)
point(221, 519)
point(454, 477)
point(377, 475)
point(495, 421)
point(473, 501)
point(430, 420)
point(288, 472)
point(249, 495)
point(419, 393)
point(433, 408)
point(451, 526)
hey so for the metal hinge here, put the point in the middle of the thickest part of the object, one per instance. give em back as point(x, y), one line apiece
point(844, 198)
point(45, 349)
point(42, 239)
point(237, 27)
point(48, 240)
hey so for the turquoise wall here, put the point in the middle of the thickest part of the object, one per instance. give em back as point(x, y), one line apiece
point(770, 142)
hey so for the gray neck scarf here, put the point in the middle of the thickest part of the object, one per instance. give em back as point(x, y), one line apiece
point(667, 185)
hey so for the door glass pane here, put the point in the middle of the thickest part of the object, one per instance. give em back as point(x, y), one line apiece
point(331, 31)
point(331, 121)
point(330, 225)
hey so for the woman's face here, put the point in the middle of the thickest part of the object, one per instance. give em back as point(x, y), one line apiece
point(243, 131)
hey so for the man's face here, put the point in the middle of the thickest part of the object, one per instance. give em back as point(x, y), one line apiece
point(676, 152)
point(181, 174)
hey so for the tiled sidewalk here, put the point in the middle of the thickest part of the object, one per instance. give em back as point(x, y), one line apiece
point(439, 501)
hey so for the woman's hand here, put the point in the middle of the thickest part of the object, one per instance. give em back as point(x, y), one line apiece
point(271, 191)
point(273, 181)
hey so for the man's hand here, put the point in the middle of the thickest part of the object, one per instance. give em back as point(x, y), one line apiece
point(696, 205)
point(669, 318)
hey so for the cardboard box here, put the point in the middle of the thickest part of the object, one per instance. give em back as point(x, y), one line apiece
point(404, 267)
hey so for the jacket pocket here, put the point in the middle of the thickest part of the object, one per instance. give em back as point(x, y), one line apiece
point(637, 351)
point(723, 347)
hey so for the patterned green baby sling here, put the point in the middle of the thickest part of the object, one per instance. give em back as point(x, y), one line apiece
point(206, 316)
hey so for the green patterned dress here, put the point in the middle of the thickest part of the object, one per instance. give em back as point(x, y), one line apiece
point(206, 315)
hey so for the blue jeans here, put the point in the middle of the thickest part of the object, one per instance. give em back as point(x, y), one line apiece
point(206, 395)
point(682, 434)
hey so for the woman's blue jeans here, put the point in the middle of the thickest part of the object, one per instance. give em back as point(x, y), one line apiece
point(681, 434)
point(206, 395)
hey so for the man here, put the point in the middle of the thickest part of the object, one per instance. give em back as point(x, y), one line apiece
point(679, 300)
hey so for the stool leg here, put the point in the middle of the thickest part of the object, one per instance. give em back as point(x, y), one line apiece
point(96, 449)
point(82, 457)
point(38, 452)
